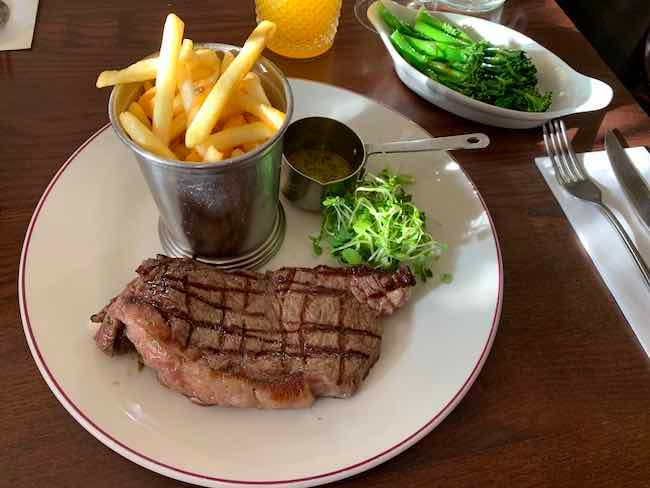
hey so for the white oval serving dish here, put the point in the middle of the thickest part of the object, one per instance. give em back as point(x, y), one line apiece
point(572, 92)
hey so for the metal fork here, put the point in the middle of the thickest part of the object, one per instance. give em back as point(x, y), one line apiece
point(572, 176)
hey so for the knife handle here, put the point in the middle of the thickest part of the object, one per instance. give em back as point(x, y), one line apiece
point(638, 259)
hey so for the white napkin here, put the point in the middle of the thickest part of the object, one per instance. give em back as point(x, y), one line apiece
point(602, 242)
point(18, 32)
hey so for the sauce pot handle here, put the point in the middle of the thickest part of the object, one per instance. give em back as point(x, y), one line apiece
point(449, 143)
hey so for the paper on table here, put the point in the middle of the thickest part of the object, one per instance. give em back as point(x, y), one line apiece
point(18, 32)
point(602, 242)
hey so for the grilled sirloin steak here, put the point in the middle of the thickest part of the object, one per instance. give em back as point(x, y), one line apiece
point(245, 339)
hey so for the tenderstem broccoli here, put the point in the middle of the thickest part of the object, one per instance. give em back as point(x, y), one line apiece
point(500, 76)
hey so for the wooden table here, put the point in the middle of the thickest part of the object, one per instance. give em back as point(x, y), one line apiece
point(564, 397)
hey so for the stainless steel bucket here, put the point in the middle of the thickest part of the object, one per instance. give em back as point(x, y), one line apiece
point(227, 213)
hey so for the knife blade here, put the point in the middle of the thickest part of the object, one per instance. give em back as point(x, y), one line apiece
point(629, 177)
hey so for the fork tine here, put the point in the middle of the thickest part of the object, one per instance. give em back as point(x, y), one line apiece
point(559, 173)
point(573, 158)
point(562, 150)
point(559, 155)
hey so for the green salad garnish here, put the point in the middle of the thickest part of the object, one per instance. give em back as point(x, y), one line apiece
point(378, 225)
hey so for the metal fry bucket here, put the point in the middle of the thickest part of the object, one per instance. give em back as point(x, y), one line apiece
point(227, 213)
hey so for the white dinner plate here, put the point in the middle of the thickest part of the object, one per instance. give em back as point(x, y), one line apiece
point(96, 222)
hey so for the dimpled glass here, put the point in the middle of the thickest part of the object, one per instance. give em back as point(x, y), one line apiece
point(305, 28)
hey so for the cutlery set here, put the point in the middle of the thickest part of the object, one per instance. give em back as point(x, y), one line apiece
point(571, 175)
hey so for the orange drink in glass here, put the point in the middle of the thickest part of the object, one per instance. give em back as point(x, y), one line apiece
point(305, 28)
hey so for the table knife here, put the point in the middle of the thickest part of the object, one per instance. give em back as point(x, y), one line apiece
point(629, 177)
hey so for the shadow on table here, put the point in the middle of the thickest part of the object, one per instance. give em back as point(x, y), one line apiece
point(586, 127)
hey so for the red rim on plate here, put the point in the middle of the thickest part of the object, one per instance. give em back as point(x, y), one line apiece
point(178, 473)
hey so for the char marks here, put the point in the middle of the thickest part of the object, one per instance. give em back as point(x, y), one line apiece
point(319, 327)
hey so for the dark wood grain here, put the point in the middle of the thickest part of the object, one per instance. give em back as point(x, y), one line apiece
point(564, 397)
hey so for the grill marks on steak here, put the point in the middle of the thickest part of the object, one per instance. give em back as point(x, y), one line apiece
point(248, 339)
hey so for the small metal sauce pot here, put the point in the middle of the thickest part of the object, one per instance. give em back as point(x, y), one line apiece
point(324, 133)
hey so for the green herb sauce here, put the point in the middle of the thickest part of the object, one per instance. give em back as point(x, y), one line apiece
point(321, 164)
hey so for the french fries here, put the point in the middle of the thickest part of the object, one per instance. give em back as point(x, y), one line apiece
point(195, 106)
point(194, 157)
point(147, 103)
point(178, 126)
point(234, 121)
point(184, 75)
point(267, 114)
point(141, 134)
point(228, 58)
point(141, 71)
point(249, 146)
point(166, 77)
point(186, 54)
point(145, 70)
point(201, 72)
point(185, 88)
point(136, 109)
point(148, 94)
point(236, 136)
point(210, 111)
point(180, 150)
point(212, 155)
point(207, 58)
point(252, 85)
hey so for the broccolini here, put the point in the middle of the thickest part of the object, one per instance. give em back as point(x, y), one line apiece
point(500, 76)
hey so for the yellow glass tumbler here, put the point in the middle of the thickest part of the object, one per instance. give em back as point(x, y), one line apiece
point(305, 28)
